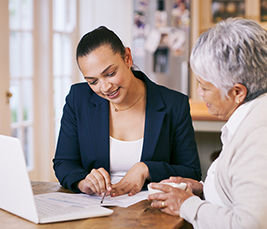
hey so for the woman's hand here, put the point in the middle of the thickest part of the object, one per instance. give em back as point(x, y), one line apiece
point(197, 187)
point(97, 181)
point(133, 180)
point(171, 200)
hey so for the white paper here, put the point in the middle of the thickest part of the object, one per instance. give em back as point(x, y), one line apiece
point(68, 199)
point(125, 200)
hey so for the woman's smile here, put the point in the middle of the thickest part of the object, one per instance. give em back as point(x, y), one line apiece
point(113, 94)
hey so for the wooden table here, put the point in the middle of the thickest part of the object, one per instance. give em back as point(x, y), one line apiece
point(137, 216)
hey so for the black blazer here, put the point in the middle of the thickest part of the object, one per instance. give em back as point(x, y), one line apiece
point(169, 147)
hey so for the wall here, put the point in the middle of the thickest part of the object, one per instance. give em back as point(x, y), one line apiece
point(117, 15)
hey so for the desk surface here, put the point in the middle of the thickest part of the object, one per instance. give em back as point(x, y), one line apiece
point(139, 215)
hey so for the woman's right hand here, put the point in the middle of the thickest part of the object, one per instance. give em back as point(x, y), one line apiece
point(97, 181)
point(197, 187)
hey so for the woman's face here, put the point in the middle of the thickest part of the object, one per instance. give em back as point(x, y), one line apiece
point(218, 105)
point(108, 74)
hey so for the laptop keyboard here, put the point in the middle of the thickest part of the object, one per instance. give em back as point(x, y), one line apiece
point(47, 210)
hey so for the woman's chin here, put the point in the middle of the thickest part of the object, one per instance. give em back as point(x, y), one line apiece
point(211, 112)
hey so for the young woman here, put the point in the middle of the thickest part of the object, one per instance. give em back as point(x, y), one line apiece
point(120, 130)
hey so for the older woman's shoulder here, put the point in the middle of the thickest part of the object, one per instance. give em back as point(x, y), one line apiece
point(259, 109)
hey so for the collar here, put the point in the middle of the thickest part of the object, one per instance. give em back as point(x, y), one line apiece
point(229, 129)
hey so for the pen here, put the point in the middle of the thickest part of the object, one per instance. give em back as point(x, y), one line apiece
point(103, 197)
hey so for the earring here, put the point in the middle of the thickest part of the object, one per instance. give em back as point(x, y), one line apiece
point(237, 101)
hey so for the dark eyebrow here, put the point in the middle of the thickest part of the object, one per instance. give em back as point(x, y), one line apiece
point(105, 70)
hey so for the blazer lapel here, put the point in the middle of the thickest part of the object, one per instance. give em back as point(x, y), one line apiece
point(154, 120)
point(99, 120)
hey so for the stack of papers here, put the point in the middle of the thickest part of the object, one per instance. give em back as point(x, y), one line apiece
point(84, 200)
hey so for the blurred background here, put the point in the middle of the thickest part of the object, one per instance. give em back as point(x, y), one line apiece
point(38, 66)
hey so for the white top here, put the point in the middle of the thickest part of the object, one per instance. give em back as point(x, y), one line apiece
point(228, 131)
point(123, 155)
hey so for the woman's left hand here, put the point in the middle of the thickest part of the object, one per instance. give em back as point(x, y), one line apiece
point(133, 180)
point(171, 200)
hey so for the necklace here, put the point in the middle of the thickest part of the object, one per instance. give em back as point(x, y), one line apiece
point(116, 109)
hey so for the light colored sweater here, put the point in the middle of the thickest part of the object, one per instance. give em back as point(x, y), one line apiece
point(240, 179)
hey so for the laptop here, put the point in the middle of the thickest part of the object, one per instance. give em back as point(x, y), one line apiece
point(16, 195)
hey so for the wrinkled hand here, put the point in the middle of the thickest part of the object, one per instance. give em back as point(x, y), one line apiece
point(133, 180)
point(97, 181)
point(197, 187)
point(171, 200)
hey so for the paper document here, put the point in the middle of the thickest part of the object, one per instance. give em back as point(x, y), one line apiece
point(124, 200)
point(69, 199)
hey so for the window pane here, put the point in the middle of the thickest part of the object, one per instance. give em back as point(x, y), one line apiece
point(59, 14)
point(64, 15)
point(67, 55)
point(72, 16)
point(26, 14)
point(14, 14)
point(14, 54)
point(28, 146)
point(20, 14)
point(15, 133)
point(27, 100)
point(57, 54)
point(64, 22)
point(14, 100)
point(26, 54)
point(21, 73)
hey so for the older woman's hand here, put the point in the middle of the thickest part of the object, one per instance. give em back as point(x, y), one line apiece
point(133, 180)
point(171, 200)
point(197, 187)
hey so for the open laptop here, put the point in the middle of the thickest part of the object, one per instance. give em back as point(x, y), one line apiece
point(16, 194)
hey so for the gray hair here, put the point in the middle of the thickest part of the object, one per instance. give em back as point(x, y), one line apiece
point(234, 51)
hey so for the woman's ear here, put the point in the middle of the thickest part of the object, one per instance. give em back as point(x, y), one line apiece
point(240, 92)
point(128, 57)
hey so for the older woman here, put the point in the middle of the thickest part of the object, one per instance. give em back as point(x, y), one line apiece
point(230, 63)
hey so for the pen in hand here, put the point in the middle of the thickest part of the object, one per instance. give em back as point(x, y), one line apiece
point(103, 197)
